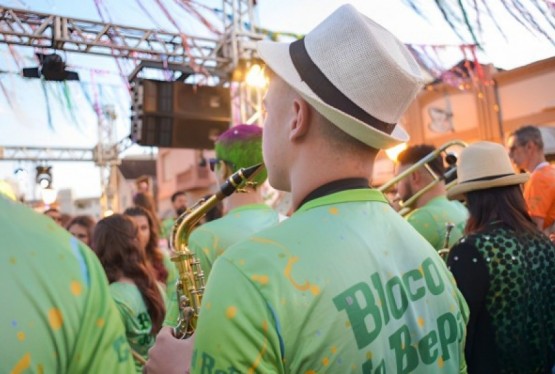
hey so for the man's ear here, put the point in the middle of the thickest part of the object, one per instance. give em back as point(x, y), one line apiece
point(300, 123)
point(530, 146)
point(415, 177)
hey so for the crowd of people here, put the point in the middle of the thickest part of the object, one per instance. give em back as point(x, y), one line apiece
point(344, 284)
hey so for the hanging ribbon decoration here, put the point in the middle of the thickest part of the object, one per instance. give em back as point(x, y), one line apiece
point(7, 95)
point(468, 25)
point(185, 45)
point(70, 107)
point(97, 107)
point(147, 13)
point(188, 7)
point(87, 95)
point(490, 15)
point(518, 10)
point(98, 4)
point(47, 101)
point(16, 57)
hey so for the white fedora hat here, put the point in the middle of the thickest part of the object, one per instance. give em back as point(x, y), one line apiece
point(484, 165)
point(353, 72)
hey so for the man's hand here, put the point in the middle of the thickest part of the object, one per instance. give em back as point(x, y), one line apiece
point(170, 355)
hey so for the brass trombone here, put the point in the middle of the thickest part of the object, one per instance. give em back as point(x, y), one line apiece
point(450, 159)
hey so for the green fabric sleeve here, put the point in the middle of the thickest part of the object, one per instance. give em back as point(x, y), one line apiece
point(101, 346)
point(424, 223)
point(203, 243)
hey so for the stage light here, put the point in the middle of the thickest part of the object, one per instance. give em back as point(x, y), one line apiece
point(52, 68)
point(250, 71)
point(20, 173)
point(256, 77)
point(393, 152)
point(49, 195)
point(44, 176)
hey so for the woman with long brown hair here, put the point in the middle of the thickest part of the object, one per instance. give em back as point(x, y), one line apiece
point(133, 287)
point(504, 267)
point(158, 260)
point(82, 228)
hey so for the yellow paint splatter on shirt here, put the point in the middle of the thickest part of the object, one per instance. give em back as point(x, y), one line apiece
point(333, 349)
point(348, 324)
point(231, 312)
point(306, 286)
point(369, 355)
point(261, 353)
point(440, 362)
point(55, 318)
point(13, 260)
point(420, 321)
point(21, 336)
point(206, 251)
point(76, 288)
point(23, 364)
point(100, 322)
point(310, 371)
point(262, 279)
point(334, 211)
point(325, 361)
point(40, 369)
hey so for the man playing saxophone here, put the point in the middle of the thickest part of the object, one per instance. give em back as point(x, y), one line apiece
point(344, 284)
point(239, 147)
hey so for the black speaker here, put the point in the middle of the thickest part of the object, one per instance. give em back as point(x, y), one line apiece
point(178, 115)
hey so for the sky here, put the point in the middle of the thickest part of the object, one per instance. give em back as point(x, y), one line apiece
point(72, 122)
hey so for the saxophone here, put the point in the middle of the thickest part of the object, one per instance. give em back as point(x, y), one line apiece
point(190, 284)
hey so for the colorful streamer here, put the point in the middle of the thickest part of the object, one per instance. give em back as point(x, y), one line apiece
point(7, 95)
point(467, 23)
point(47, 101)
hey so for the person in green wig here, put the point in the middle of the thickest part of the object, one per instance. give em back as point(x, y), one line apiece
point(238, 147)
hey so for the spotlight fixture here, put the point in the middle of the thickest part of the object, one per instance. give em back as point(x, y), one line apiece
point(44, 176)
point(52, 68)
point(19, 172)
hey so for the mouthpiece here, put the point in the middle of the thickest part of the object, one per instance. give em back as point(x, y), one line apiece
point(238, 179)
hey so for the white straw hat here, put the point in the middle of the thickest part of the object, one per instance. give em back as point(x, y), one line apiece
point(353, 72)
point(484, 165)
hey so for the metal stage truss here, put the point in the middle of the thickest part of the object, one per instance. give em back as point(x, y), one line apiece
point(187, 54)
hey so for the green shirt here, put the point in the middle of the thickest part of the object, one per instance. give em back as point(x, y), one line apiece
point(209, 240)
point(166, 228)
point(57, 315)
point(135, 317)
point(171, 280)
point(431, 219)
point(344, 285)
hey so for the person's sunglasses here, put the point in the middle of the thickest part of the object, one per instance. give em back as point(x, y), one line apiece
point(213, 162)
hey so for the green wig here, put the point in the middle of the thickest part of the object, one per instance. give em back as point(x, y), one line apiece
point(241, 147)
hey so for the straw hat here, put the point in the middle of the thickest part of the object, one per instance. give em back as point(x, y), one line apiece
point(353, 72)
point(484, 165)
